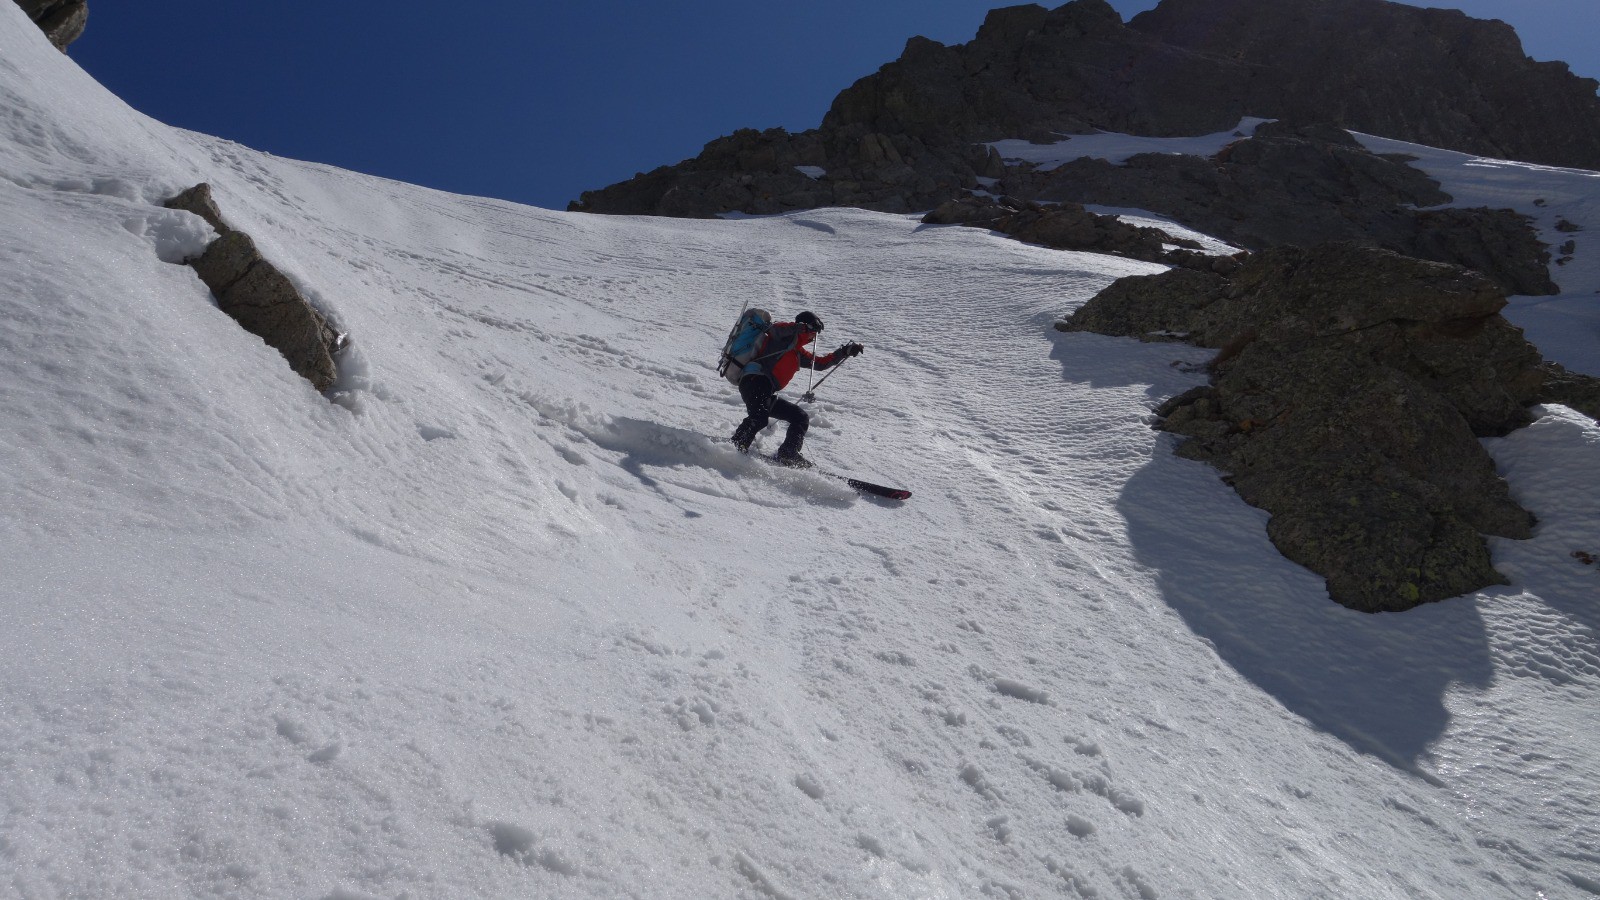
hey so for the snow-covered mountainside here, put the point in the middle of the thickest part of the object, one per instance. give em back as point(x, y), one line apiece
point(506, 619)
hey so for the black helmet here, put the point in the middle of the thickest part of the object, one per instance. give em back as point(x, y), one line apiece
point(810, 320)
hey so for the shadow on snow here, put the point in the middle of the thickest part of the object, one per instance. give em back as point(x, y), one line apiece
point(1375, 682)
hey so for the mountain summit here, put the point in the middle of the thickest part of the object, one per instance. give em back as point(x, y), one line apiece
point(909, 136)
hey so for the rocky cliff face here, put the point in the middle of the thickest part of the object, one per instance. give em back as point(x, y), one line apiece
point(1431, 76)
point(905, 137)
point(63, 21)
point(1302, 186)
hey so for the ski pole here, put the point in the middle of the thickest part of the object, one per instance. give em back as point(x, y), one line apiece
point(811, 394)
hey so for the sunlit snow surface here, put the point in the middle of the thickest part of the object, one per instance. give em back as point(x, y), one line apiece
point(506, 621)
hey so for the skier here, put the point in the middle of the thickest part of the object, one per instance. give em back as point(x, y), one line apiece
point(783, 354)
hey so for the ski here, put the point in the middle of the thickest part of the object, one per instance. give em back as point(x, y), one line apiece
point(877, 490)
point(865, 487)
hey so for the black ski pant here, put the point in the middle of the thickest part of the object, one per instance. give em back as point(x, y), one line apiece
point(763, 404)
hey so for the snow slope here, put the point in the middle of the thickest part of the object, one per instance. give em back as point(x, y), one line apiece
point(505, 621)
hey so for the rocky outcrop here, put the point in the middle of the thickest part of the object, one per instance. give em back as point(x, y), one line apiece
point(760, 173)
point(260, 297)
point(904, 138)
point(1187, 67)
point(1347, 400)
point(1305, 185)
point(1068, 226)
point(62, 21)
point(1430, 76)
point(1581, 392)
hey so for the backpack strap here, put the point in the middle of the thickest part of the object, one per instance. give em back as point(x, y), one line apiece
point(789, 334)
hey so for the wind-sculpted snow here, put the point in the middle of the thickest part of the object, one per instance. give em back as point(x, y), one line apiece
point(511, 620)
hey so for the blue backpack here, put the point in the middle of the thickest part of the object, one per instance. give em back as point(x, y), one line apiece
point(744, 343)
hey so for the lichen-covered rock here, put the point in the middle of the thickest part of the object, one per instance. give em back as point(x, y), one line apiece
point(263, 300)
point(1348, 400)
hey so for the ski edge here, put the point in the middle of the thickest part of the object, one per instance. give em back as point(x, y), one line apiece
point(877, 490)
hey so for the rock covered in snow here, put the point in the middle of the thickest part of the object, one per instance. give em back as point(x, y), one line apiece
point(259, 296)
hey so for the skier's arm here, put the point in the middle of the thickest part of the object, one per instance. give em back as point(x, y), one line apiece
point(808, 361)
point(832, 359)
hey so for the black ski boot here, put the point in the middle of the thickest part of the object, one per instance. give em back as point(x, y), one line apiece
point(792, 459)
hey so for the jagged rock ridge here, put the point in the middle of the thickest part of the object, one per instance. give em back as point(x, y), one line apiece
point(1305, 185)
point(905, 137)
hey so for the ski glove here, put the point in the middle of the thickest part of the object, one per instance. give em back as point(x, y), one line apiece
point(850, 349)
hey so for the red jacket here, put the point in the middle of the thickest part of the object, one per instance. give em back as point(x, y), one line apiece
point(785, 353)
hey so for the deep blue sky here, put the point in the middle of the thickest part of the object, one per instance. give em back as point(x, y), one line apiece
point(536, 101)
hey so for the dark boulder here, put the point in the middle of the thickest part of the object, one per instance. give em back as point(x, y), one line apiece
point(62, 21)
point(263, 300)
point(1348, 399)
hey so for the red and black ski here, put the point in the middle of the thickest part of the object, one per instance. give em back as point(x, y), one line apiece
point(865, 487)
point(877, 490)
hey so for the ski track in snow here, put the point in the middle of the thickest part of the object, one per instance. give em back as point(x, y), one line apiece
point(508, 619)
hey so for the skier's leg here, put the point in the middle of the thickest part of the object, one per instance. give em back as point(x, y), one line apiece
point(798, 421)
point(757, 393)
